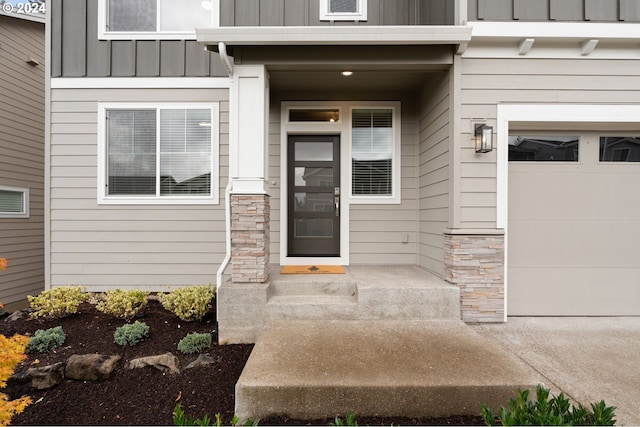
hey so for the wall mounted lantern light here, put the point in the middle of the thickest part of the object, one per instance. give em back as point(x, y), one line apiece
point(483, 138)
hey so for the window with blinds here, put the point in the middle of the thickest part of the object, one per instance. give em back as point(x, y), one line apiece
point(372, 152)
point(343, 10)
point(159, 152)
point(14, 202)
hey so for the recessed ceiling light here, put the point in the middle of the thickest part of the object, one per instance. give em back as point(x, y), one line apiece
point(347, 73)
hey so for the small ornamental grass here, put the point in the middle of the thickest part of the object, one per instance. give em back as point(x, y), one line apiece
point(58, 302)
point(131, 334)
point(189, 303)
point(194, 343)
point(122, 303)
point(46, 340)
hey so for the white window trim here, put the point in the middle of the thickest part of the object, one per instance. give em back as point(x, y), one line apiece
point(395, 197)
point(104, 34)
point(25, 202)
point(104, 199)
point(360, 15)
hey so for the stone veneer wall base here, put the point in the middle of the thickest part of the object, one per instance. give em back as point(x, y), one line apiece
point(475, 263)
point(250, 215)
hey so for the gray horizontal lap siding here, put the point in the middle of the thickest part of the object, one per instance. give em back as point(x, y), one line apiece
point(554, 10)
point(77, 52)
point(307, 13)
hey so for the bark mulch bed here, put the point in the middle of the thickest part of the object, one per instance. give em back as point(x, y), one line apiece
point(148, 396)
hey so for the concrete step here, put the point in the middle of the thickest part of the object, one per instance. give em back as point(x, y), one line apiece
point(311, 285)
point(312, 307)
point(308, 369)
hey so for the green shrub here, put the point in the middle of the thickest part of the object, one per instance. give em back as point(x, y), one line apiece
point(57, 302)
point(189, 303)
point(545, 411)
point(131, 334)
point(123, 304)
point(181, 419)
point(194, 343)
point(46, 340)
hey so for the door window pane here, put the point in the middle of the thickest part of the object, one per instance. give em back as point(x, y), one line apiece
point(313, 177)
point(314, 227)
point(619, 149)
point(314, 151)
point(313, 202)
point(533, 148)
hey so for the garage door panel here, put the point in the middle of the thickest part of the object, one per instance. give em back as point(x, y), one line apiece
point(574, 244)
point(556, 196)
point(573, 292)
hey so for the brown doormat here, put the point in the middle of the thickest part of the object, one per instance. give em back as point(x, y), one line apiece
point(312, 269)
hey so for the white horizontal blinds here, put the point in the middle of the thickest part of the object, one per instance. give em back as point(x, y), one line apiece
point(343, 6)
point(131, 151)
point(185, 152)
point(11, 201)
point(372, 151)
point(132, 15)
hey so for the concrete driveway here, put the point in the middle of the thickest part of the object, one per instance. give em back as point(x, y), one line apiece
point(588, 358)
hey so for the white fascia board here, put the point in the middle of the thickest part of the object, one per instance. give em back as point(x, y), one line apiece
point(335, 35)
point(556, 30)
point(141, 83)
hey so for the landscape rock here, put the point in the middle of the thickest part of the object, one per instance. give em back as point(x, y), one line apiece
point(167, 362)
point(45, 377)
point(91, 367)
point(17, 386)
point(17, 315)
point(202, 360)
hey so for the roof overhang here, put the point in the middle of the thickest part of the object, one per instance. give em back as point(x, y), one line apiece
point(336, 36)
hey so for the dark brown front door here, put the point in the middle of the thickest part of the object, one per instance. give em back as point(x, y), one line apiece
point(314, 195)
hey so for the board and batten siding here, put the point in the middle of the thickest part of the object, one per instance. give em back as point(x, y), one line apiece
point(554, 10)
point(77, 52)
point(22, 154)
point(307, 13)
point(126, 246)
point(488, 82)
point(434, 172)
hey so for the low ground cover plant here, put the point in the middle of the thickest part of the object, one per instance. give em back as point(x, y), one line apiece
point(194, 343)
point(189, 303)
point(58, 302)
point(548, 411)
point(182, 419)
point(124, 304)
point(131, 333)
point(45, 340)
point(12, 350)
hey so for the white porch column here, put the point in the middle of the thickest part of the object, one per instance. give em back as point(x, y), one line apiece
point(248, 131)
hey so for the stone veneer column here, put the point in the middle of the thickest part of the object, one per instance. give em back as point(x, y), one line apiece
point(250, 238)
point(475, 263)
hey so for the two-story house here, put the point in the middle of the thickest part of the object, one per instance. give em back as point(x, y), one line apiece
point(490, 143)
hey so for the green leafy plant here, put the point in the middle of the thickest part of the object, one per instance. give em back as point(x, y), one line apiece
point(46, 340)
point(57, 302)
point(548, 411)
point(131, 334)
point(349, 421)
point(189, 303)
point(181, 419)
point(194, 343)
point(122, 303)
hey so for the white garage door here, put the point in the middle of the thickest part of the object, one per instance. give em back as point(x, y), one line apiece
point(574, 224)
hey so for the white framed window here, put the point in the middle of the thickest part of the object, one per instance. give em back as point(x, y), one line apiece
point(375, 153)
point(155, 19)
point(158, 153)
point(343, 10)
point(14, 202)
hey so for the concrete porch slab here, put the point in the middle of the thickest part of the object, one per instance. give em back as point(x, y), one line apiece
point(309, 369)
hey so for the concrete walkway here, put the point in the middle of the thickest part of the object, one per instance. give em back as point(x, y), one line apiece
point(315, 369)
point(589, 359)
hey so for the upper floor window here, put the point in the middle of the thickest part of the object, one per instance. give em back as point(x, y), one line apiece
point(155, 19)
point(14, 202)
point(158, 153)
point(343, 10)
